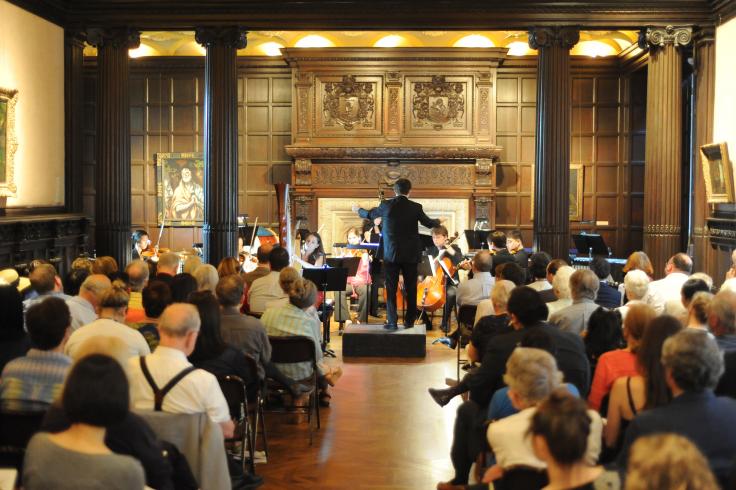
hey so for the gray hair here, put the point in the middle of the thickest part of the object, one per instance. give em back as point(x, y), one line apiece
point(178, 319)
point(532, 374)
point(138, 273)
point(693, 358)
point(501, 292)
point(97, 284)
point(636, 284)
point(723, 310)
point(191, 264)
point(207, 277)
point(169, 260)
point(561, 282)
point(584, 284)
point(703, 277)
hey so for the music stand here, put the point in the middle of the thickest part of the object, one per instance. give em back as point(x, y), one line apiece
point(426, 241)
point(327, 279)
point(477, 239)
point(591, 243)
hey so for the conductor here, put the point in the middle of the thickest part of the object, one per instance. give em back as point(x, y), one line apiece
point(400, 247)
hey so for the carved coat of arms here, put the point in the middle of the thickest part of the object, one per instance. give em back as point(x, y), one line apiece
point(438, 103)
point(348, 103)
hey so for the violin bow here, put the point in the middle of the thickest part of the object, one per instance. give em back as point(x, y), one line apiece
point(253, 236)
point(161, 230)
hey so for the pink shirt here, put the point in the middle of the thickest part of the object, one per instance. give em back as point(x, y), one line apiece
point(363, 275)
point(611, 366)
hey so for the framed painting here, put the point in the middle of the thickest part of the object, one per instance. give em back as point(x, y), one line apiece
point(717, 173)
point(179, 188)
point(8, 142)
point(575, 192)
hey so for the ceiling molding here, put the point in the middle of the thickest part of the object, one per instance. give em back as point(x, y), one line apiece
point(52, 10)
point(725, 10)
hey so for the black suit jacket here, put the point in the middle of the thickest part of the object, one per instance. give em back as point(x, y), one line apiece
point(570, 356)
point(608, 296)
point(703, 418)
point(501, 257)
point(400, 228)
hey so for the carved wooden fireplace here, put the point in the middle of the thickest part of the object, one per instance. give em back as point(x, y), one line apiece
point(362, 118)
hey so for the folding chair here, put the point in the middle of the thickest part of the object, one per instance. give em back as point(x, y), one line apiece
point(293, 349)
point(236, 395)
point(16, 429)
point(465, 322)
point(256, 409)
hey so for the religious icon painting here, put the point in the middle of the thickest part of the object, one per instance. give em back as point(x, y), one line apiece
point(8, 142)
point(179, 188)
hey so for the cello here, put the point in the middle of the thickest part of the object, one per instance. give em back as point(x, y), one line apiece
point(431, 291)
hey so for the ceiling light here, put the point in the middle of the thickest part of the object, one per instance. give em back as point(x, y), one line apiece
point(313, 41)
point(474, 41)
point(593, 49)
point(142, 50)
point(390, 41)
point(271, 48)
point(519, 48)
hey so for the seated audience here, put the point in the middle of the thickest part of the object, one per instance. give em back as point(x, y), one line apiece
point(167, 267)
point(206, 277)
point(679, 308)
point(722, 319)
point(137, 272)
point(45, 283)
point(228, 266)
point(473, 291)
point(548, 295)
point(697, 313)
point(263, 265)
point(197, 391)
point(113, 306)
point(181, 286)
point(584, 289)
point(156, 297)
point(191, 264)
point(668, 461)
point(636, 286)
point(693, 364)
point(677, 270)
point(14, 341)
point(604, 335)
point(107, 266)
point(508, 271)
point(491, 325)
point(560, 289)
point(565, 437)
point(646, 390)
point(267, 288)
point(84, 306)
point(73, 281)
point(619, 362)
point(95, 397)
point(608, 296)
point(639, 261)
point(32, 382)
point(538, 271)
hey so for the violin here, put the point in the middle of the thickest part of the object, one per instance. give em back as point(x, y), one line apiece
point(152, 253)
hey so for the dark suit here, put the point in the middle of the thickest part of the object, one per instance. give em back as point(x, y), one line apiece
point(703, 418)
point(400, 248)
point(502, 256)
point(548, 295)
point(608, 296)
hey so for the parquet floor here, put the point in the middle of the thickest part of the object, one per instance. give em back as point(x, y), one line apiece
point(382, 430)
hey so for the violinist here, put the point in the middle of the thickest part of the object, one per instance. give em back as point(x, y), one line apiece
point(141, 243)
point(501, 254)
point(263, 267)
point(516, 248)
point(372, 234)
point(452, 252)
point(357, 285)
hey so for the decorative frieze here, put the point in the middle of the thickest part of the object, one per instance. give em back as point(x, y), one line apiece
point(371, 174)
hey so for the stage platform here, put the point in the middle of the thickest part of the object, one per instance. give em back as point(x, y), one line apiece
point(372, 340)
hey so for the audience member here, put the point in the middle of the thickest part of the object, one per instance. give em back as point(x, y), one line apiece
point(267, 288)
point(10, 277)
point(697, 313)
point(32, 382)
point(84, 306)
point(156, 297)
point(538, 271)
point(679, 308)
point(82, 263)
point(693, 363)
point(263, 265)
point(228, 266)
point(604, 335)
point(73, 280)
point(107, 266)
point(584, 289)
point(705, 278)
point(45, 283)
point(509, 271)
point(95, 398)
point(663, 461)
point(182, 285)
point(14, 342)
point(608, 296)
point(548, 295)
point(206, 277)
point(167, 267)
point(639, 261)
point(473, 291)
point(636, 286)
point(491, 325)
point(137, 272)
point(560, 290)
point(112, 309)
point(648, 389)
point(722, 319)
point(195, 390)
point(501, 254)
point(677, 270)
point(191, 264)
point(615, 363)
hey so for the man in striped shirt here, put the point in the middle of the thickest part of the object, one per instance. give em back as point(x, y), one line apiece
point(33, 381)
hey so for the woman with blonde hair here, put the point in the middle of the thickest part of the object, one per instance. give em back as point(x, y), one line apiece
point(228, 266)
point(663, 461)
point(561, 288)
point(207, 278)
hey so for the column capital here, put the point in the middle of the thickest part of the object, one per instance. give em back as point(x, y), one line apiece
point(119, 37)
point(545, 37)
point(654, 37)
point(234, 37)
point(75, 38)
point(704, 35)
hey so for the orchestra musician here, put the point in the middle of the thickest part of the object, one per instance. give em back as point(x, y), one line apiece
point(400, 247)
point(501, 254)
point(313, 252)
point(357, 285)
point(452, 252)
point(372, 232)
point(141, 243)
point(516, 248)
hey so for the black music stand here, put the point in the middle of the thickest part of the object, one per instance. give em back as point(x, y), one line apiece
point(591, 243)
point(327, 279)
point(477, 239)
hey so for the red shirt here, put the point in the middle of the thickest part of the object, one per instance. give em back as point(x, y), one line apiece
point(611, 366)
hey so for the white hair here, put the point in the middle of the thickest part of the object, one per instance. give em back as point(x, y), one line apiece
point(636, 283)
point(561, 282)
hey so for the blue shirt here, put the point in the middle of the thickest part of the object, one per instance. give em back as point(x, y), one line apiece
point(33, 381)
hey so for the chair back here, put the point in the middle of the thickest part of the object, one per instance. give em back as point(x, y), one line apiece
point(291, 349)
point(521, 478)
point(233, 387)
point(16, 429)
point(466, 315)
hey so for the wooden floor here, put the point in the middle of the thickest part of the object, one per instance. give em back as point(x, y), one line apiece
point(382, 431)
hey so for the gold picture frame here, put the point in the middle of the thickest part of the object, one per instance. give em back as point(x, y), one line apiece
point(8, 142)
point(576, 192)
point(717, 173)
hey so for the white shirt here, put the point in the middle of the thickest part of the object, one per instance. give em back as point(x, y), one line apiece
point(137, 345)
point(540, 285)
point(81, 310)
point(513, 447)
point(625, 308)
point(264, 290)
point(473, 291)
point(197, 392)
point(664, 290)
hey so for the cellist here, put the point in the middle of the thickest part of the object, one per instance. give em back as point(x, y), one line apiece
point(452, 252)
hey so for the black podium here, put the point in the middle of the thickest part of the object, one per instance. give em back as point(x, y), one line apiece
point(327, 279)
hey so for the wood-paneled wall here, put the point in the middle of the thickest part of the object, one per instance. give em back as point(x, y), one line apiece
point(166, 116)
point(607, 140)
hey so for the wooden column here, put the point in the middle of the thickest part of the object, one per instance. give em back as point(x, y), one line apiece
point(112, 192)
point(552, 159)
point(73, 115)
point(663, 155)
point(220, 140)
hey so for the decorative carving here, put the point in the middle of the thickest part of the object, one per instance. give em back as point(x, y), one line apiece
point(662, 229)
point(393, 109)
point(303, 209)
point(8, 100)
point(545, 37)
point(438, 103)
point(657, 37)
point(303, 84)
point(419, 174)
point(483, 117)
point(234, 37)
point(348, 103)
point(483, 172)
point(116, 38)
point(482, 205)
point(303, 171)
point(394, 153)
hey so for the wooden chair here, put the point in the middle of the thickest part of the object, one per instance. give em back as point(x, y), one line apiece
point(16, 429)
point(465, 321)
point(294, 349)
point(236, 395)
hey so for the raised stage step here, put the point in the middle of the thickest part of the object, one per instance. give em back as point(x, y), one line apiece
point(372, 340)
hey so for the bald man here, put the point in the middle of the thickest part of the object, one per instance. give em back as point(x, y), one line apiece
point(83, 307)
